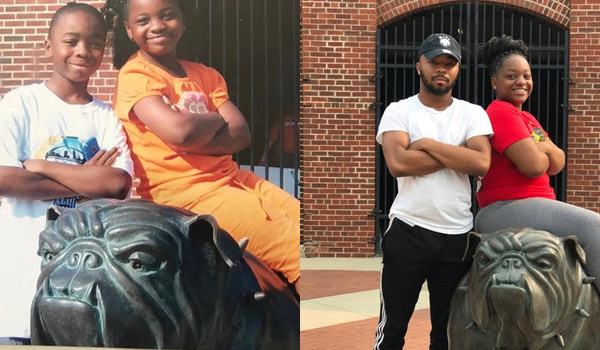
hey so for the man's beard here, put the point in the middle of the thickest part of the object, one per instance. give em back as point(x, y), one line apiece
point(438, 91)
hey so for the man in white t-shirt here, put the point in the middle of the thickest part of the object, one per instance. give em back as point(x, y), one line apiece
point(431, 143)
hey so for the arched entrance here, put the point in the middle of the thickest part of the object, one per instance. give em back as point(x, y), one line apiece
point(471, 24)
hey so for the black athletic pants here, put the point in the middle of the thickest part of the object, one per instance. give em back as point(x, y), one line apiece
point(411, 256)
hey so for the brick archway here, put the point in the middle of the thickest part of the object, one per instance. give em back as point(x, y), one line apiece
point(554, 10)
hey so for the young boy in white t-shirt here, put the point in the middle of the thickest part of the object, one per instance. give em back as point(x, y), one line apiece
point(49, 133)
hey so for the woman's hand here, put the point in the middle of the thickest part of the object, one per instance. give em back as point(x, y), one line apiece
point(556, 156)
point(185, 132)
point(169, 103)
point(534, 159)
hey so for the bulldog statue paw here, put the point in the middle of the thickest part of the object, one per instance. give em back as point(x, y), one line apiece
point(525, 290)
point(133, 274)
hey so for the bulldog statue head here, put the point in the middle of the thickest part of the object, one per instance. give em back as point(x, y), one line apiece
point(133, 274)
point(526, 290)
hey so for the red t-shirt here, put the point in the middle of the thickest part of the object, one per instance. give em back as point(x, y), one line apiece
point(503, 180)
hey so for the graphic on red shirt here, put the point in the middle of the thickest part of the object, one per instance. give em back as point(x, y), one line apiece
point(538, 135)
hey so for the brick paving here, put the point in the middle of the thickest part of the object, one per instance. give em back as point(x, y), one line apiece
point(319, 283)
point(357, 335)
point(360, 335)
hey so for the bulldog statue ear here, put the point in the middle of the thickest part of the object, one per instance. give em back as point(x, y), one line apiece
point(53, 212)
point(572, 246)
point(472, 238)
point(205, 227)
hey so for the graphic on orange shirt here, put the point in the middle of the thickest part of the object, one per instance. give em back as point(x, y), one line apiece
point(193, 102)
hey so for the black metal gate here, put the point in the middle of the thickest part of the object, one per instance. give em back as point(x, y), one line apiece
point(255, 45)
point(471, 24)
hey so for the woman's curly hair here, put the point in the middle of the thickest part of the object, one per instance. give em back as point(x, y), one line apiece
point(115, 13)
point(498, 49)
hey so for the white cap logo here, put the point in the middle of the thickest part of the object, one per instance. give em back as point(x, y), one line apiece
point(444, 41)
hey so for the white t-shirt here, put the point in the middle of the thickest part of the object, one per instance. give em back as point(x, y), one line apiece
point(439, 201)
point(37, 124)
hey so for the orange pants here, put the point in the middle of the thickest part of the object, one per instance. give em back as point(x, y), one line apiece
point(255, 208)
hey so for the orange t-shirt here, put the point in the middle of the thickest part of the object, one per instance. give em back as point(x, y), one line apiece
point(166, 175)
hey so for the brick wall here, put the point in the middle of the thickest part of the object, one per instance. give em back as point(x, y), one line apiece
point(23, 29)
point(583, 167)
point(337, 132)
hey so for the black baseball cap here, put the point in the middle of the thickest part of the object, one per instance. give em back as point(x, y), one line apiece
point(438, 44)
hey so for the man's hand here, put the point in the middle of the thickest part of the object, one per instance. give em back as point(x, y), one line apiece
point(420, 144)
point(402, 160)
point(425, 144)
point(472, 158)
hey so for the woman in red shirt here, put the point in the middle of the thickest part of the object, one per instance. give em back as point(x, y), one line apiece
point(516, 190)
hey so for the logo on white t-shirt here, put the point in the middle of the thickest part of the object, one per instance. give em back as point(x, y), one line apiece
point(68, 150)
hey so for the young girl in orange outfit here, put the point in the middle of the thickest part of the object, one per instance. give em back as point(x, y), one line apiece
point(182, 151)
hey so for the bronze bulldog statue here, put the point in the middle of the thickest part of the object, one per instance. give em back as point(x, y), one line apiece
point(526, 290)
point(133, 274)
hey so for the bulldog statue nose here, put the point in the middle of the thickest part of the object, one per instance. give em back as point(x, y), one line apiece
point(512, 262)
point(510, 271)
point(85, 259)
point(77, 276)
